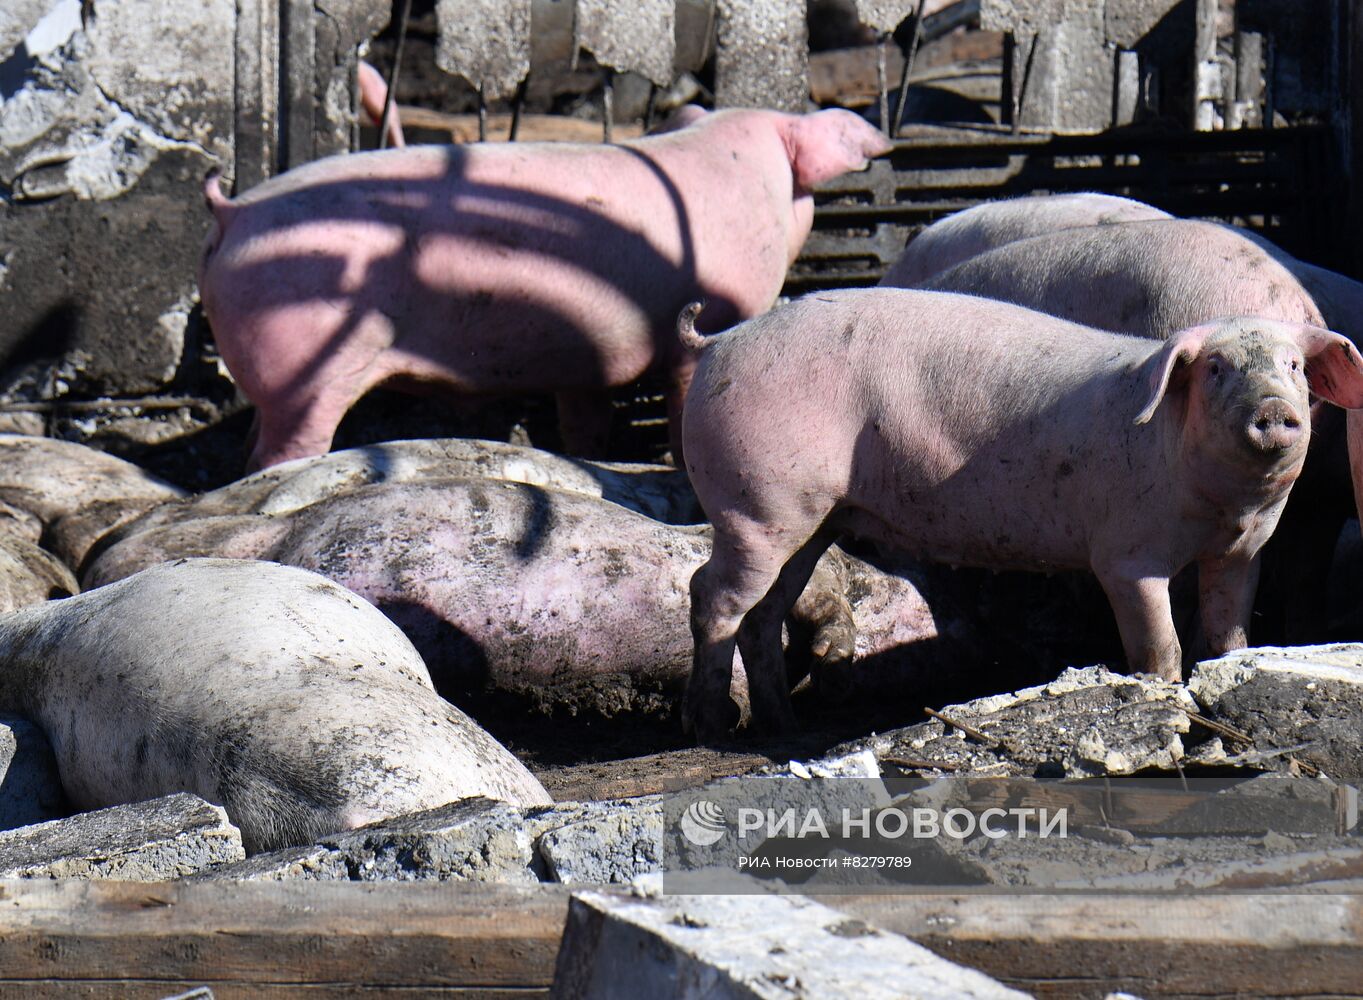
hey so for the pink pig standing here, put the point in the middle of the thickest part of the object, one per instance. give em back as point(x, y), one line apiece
point(980, 433)
point(509, 267)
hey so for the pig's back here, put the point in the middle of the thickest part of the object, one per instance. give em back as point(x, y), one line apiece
point(987, 429)
point(1148, 279)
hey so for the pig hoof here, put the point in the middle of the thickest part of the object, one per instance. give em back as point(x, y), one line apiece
point(710, 720)
point(834, 645)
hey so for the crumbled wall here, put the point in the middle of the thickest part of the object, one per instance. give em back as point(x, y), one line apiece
point(111, 114)
point(108, 123)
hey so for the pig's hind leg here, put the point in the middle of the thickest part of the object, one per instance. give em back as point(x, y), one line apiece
point(744, 566)
point(296, 432)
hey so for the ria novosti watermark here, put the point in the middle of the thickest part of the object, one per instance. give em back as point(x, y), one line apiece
point(703, 823)
point(854, 834)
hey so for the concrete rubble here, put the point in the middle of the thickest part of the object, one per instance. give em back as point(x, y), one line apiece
point(750, 947)
point(1280, 811)
point(1086, 722)
point(106, 106)
point(1308, 697)
point(483, 841)
point(151, 841)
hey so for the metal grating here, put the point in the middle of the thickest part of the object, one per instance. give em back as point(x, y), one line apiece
point(1275, 181)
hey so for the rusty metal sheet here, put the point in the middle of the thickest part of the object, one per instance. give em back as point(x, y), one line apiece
point(884, 15)
point(637, 36)
point(762, 55)
point(487, 42)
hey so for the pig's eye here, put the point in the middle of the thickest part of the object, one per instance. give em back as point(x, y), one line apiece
point(1214, 367)
point(1296, 366)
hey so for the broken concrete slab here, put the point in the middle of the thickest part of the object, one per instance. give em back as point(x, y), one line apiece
point(30, 787)
point(170, 67)
point(885, 15)
point(89, 279)
point(1086, 722)
point(762, 55)
point(18, 18)
point(487, 42)
point(482, 841)
point(471, 840)
point(150, 841)
point(632, 36)
point(1307, 698)
point(759, 947)
point(613, 844)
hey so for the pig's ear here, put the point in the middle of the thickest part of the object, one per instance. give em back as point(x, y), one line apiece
point(1334, 368)
point(830, 143)
point(1182, 348)
point(685, 115)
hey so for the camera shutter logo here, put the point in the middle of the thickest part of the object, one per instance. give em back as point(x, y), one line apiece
point(703, 823)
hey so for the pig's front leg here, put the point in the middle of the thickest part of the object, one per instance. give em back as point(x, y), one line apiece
point(1139, 595)
point(1225, 598)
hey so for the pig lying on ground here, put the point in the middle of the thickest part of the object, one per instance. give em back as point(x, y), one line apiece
point(559, 598)
point(974, 231)
point(658, 491)
point(267, 690)
point(30, 574)
point(77, 493)
point(1152, 279)
point(508, 267)
point(979, 433)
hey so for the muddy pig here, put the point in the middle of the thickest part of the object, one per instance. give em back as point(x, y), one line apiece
point(975, 432)
point(508, 267)
point(75, 493)
point(558, 598)
point(269, 691)
point(973, 231)
point(659, 491)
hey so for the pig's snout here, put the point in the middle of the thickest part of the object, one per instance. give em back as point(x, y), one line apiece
point(1274, 426)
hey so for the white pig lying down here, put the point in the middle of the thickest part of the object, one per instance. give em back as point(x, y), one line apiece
point(659, 491)
point(508, 268)
point(1153, 279)
point(77, 493)
point(557, 598)
point(979, 433)
point(268, 690)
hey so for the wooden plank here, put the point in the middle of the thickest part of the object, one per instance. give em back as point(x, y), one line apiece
point(668, 771)
point(322, 940)
point(1156, 945)
point(148, 989)
point(467, 936)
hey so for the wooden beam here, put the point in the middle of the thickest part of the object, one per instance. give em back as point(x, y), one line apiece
point(278, 939)
point(465, 940)
point(1156, 945)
